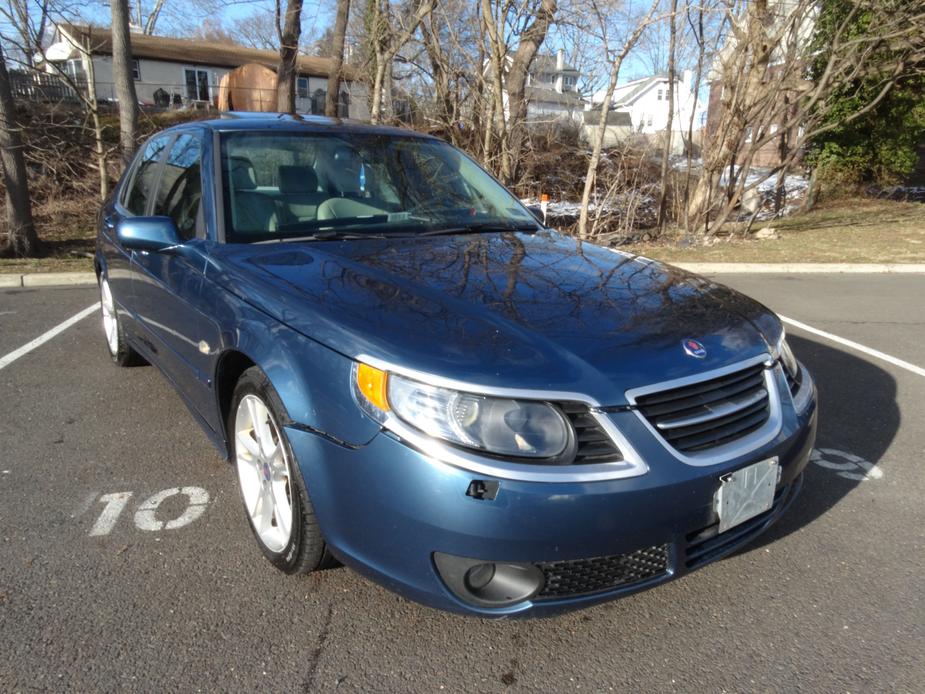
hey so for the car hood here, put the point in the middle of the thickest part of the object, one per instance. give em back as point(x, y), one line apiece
point(541, 311)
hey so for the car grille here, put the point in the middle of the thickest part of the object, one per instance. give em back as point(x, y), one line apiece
point(583, 576)
point(710, 413)
point(594, 445)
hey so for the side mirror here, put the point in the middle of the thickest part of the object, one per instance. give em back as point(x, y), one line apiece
point(537, 212)
point(148, 233)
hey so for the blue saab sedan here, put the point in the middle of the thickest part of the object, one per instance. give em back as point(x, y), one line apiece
point(413, 376)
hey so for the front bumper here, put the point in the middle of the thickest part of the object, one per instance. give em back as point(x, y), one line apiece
point(385, 509)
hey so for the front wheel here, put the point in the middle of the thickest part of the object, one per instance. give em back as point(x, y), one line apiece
point(275, 499)
point(119, 348)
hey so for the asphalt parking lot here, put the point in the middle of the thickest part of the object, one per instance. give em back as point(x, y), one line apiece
point(126, 561)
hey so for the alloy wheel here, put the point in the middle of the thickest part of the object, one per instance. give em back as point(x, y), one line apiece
point(110, 322)
point(263, 472)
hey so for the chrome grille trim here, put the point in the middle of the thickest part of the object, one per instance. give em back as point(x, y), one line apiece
point(773, 375)
point(723, 410)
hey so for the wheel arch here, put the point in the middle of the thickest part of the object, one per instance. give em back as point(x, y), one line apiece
point(311, 381)
point(231, 364)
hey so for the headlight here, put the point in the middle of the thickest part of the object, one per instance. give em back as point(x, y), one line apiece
point(500, 426)
point(786, 357)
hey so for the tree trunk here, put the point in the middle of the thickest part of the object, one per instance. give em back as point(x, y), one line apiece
point(22, 241)
point(337, 60)
point(530, 42)
point(288, 54)
point(92, 106)
point(666, 155)
point(446, 107)
point(375, 109)
point(125, 84)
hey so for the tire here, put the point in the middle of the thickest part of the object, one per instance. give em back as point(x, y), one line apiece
point(119, 349)
point(272, 489)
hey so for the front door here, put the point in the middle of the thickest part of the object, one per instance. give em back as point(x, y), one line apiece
point(168, 285)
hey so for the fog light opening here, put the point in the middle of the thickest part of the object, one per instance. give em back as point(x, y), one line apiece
point(489, 584)
point(479, 576)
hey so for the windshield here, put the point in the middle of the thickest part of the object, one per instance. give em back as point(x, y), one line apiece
point(327, 185)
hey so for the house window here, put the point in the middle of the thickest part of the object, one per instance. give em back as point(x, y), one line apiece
point(74, 68)
point(649, 119)
point(136, 70)
point(569, 80)
point(318, 99)
point(659, 97)
point(301, 86)
point(197, 84)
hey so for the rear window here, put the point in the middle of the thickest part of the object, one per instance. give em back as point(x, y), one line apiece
point(279, 185)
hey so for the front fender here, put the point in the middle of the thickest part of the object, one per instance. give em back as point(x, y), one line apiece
point(313, 381)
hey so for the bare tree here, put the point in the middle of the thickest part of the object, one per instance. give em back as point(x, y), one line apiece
point(615, 65)
point(22, 241)
point(389, 32)
point(666, 154)
point(761, 76)
point(508, 71)
point(28, 20)
point(530, 42)
point(122, 75)
point(337, 58)
point(286, 73)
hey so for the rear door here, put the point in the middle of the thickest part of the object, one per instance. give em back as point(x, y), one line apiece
point(168, 285)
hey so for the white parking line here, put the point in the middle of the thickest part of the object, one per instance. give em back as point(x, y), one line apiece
point(877, 354)
point(45, 337)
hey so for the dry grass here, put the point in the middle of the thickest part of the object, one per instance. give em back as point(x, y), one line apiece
point(863, 230)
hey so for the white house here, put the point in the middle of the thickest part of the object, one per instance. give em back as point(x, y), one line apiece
point(551, 90)
point(646, 102)
point(171, 72)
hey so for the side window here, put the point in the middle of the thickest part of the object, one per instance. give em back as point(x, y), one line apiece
point(180, 189)
point(145, 176)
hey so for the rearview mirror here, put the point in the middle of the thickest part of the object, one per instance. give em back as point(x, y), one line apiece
point(148, 233)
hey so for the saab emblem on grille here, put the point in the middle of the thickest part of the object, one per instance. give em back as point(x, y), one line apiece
point(692, 348)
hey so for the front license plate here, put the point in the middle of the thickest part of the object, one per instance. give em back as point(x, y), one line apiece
point(746, 493)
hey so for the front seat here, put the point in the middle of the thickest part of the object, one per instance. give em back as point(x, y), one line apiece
point(298, 188)
point(252, 212)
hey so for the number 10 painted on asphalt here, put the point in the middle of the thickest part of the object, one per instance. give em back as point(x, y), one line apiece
point(145, 516)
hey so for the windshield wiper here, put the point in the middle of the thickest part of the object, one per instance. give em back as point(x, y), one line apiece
point(336, 235)
point(479, 227)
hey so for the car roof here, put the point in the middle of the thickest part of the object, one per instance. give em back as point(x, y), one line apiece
point(293, 122)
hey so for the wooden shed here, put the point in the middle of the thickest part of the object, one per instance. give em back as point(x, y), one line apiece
point(250, 87)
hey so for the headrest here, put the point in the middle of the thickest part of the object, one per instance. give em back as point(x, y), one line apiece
point(242, 174)
point(297, 179)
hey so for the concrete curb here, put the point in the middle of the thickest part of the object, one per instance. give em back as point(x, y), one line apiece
point(56, 279)
point(801, 268)
point(47, 279)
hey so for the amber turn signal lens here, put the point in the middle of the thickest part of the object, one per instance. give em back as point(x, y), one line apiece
point(372, 383)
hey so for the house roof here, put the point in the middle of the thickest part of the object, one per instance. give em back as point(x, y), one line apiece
point(543, 62)
point(639, 87)
point(197, 51)
point(551, 96)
